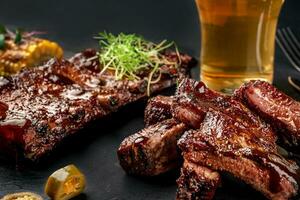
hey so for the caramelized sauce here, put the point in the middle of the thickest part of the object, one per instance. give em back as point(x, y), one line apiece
point(13, 130)
point(3, 109)
point(279, 168)
point(58, 98)
point(76, 93)
point(140, 140)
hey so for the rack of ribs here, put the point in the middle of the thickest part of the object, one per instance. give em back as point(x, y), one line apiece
point(221, 134)
point(229, 137)
point(280, 110)
point(40, 107)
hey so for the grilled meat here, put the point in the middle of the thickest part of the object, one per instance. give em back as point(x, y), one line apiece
point(280, 110)
point(224, 135)
point(197, 182)
point(153, 150)
point(158, 110)
point(42, 106)
point(231, 138)
point(222, 145)
point(194, 100)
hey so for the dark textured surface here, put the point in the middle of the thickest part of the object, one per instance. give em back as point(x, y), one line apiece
point(72, 23)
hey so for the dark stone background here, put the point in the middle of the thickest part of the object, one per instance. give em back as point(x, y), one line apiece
point(72, 23)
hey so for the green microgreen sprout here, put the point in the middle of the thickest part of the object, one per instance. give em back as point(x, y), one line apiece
point(18, 36)
point(129, 54)
point(2, 41)
point(2, 36)
point(2, 29)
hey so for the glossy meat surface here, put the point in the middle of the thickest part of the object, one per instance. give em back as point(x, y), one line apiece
point(42, 106)
point(277, 108)
point(158, 109)
point(197, 182)
point(231, 138)
point(153, 150)
point(221, 134)
point(258, 176)
point(194, 101)
point(222, 146)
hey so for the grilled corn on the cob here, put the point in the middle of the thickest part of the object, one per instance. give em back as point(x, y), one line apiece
point(28, 53)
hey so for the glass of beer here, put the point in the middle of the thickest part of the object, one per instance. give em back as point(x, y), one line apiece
point(238, 41)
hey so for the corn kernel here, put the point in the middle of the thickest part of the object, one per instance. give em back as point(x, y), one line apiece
point(29, 53)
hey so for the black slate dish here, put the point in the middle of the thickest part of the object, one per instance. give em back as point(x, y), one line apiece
point(72, 24)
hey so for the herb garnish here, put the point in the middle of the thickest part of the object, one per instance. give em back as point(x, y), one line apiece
point(128, 55)
point(2, 36)
point(18, 35)
point(2, 41)
point(2, 29)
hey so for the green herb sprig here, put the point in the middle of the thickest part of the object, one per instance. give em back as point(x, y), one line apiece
point(2, 36)
point(128, 54)
point(18, 35)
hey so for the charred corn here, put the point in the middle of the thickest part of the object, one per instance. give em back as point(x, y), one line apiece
point(28, 53)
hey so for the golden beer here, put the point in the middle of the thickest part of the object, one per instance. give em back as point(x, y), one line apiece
point(238, 39)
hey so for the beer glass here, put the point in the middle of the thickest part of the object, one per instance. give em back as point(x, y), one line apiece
point(238, 41)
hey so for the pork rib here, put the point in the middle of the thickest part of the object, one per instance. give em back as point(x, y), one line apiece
point(277, 108)
point(41, 107)
point(153, 150)
point(194, 100)
point(158, 109)
point(266, 171)
point(197, 182)
point(230, 138)
point(221, 134)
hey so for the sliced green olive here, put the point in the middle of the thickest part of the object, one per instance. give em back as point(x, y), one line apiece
point(65, 183)
point(22, 196)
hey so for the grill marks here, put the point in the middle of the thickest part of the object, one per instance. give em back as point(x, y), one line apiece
point(224, 135)
point(230, 131)
point(153, 150)
point(273, 105)
point(158, 110)
point(42, 106)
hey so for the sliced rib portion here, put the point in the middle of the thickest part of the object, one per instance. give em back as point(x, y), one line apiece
point(223, 146)
point(42, 106)
point(230, 138)
point(153, 150)
point(221, 134)
point(277, 108)
point(194, 100)
point(158, 109)
point(258, 176)
point(197, 182)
